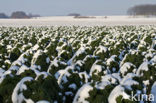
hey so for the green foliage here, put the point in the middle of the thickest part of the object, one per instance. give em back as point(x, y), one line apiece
point(114, 66)
point(7, 87)
point(96, 76)
point(54, 69)
point(41, 60)
point(33, 39)
point(15, 54)
point(3, 49)
point(88, 62)
point(135, 59)
point(72, 79)
point(76, 45)
point(149, 75)
point(120, 99)
point(43, 89)
point(44, 43)
point(148, 40)
point(80, 56)
point(51, 50)
point(28, 73)
point(100, 95)
point(102, 55)
point(130, 69)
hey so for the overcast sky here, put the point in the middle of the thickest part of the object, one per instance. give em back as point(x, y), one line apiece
point(64, 7)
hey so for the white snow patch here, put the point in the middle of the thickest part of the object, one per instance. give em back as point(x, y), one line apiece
point(73, 86)
point(1, 71)
point(146, 82)
point(127, 81)
point(42, 101)
point(153, 92)
point(47, 60)
point(142, 67)
point(78, 52)
point(84, 75)
point(111, 59)
point(101, 49)
point(124, 68)
point(35, 47)
point(35, 56)
point(82, 94)
point(22, 69)
point(97, 68)
point(153, 59)
point(117, 91)
point(106, 80)
point(18, 97)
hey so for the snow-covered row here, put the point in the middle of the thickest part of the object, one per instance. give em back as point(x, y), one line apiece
point(77, 64)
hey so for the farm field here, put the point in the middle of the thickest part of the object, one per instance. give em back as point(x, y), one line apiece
point(88, 21)
point(77, 64)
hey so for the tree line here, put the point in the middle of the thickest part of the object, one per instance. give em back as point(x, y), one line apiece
point(144, 10)
point(18, 14)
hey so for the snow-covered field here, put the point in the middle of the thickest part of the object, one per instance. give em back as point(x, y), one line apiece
point(69, 21)
point(72, 64)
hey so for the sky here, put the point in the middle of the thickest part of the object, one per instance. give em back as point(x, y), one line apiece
point(64, 7)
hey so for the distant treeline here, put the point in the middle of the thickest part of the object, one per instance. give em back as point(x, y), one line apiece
point(18, 14)
point(145, 10)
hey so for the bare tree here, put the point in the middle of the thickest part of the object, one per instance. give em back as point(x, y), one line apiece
point(74, 14)
point(19, 14)
point(3, 15)
point(146, 10)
